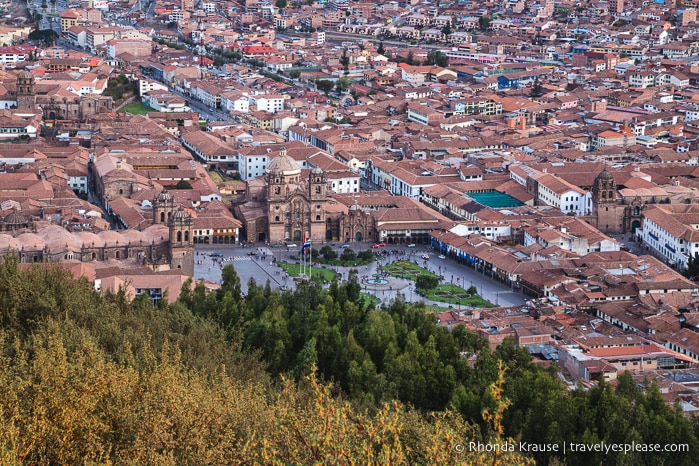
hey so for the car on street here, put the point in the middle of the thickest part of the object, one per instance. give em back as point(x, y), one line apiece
point(345, 246)
point(425, 256)
point(291, 246)
point(442, 256)
point(412, 245)
point(378, 245)
point(215, 254)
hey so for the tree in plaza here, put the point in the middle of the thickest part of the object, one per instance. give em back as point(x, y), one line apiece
point(348, 255)
point(426, 282)
point(328, 253)
point(366, 255)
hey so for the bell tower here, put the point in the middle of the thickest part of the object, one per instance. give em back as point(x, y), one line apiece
point(317, 185)
point(604, 189)
point(163, 208)
point(609, 212)
point(181, 227)
point(25, 91)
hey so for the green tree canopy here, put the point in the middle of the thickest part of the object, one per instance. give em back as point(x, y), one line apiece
point(325, 85)
point(183, 184)
point(47, 36)
point(437, 58)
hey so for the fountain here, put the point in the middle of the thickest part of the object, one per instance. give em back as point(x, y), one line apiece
point(377, 280)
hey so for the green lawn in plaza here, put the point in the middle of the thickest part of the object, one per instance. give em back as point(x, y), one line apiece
point(406, 269)
point(369, 300)
point(294, 270)
point(455, 295)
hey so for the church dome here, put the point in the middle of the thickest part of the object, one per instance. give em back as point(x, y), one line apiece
point(134, 237)
point(24, 74)
point(164, 196)
point(31, 242)
point(317, 171)
point(605, 176)
point(8, 243)
point(283, 165)
point(15, 220)
point(156, 234)
point(181, 214)
point(111, 238)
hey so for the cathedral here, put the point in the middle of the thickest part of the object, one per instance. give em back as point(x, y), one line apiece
point(288, 206)
point(289, 203)
point(33, 97)
point(167, 244)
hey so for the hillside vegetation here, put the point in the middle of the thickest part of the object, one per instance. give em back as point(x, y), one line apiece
point(309, 377)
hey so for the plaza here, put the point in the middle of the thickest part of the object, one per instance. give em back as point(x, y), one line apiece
point(260, 263)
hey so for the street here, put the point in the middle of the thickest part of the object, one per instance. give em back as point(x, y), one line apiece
point(262, 269)
point(205, 112)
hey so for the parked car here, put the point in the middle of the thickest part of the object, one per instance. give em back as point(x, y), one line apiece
point(215, 254)
point(425, 256)
point(345, 246)
point(442, 256)
point(412, 245)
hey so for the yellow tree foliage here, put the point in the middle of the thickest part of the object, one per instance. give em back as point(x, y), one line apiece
point(66, 403)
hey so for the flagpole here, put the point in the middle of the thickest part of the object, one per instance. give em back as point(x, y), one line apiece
point(310, 256)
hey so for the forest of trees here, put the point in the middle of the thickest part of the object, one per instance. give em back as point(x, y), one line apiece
point(312, 376)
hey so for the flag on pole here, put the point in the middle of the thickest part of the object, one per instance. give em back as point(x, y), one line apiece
point(306, 248)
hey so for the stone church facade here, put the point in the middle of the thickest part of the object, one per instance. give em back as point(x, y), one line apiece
point(58, 108)
point(620, 211)
point(288, 204)
point(165, 244)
